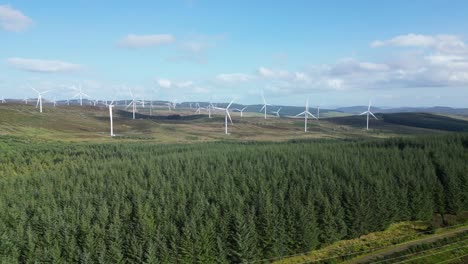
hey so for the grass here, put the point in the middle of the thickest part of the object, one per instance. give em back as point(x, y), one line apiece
point(438, 252)
point(91, 124)
point(345, 251)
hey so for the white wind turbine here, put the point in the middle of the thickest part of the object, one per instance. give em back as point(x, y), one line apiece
point(55, 101)
point(169, 106)
point(368, 112)
point(209, 108)
point(265, 104)
point(226, 115)
point(25, 100)
point(198, 109)
point(277, 112)
point(306, 114)
point(39, 98)
point(318, 112)
point(241, 111)
point(80, 94)
point(3, 100)
point(111, 105)
point(133, 103)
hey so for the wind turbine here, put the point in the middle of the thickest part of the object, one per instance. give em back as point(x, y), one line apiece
point(226, 115)
point(198, 111)
point(306, 114)
point(277, 112)
point(241, 111)
point(169, 106)
point(209, 108)
point(3, 100)
point(80, 94)
point(39, 98)
point(368, 112)
point(265, 104)
point(55, 101)
point(25, 100)
point(318, 112)
point(133, 103)
point(111, 105)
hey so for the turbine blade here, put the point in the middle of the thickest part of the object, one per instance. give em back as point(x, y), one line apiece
point(37, 104)
point(300, 114)
point(227, 112)
point(263, 107)
point(373, 115)
point(309, 113)
point(363, 113)
point(129, 104)
point(229, 105)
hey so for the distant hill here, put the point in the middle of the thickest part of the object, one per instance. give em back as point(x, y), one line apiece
point(427, 120)
point(416, 120)
point(433, 110)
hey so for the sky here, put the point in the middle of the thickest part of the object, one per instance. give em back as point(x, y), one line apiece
point(336, 53)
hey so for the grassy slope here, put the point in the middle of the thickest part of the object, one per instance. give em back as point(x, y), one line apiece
point(396, 236)
point(74, 123)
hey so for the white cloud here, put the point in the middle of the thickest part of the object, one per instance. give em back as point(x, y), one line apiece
point(271, 73)
point(164, 83)
point(195, 47)
point(353, 66)
point(143, 41)
point(265, 72)
point(449, 61)
point(443, 43)
point(233, 77)
point(13, 20)
point(336, 84)
point(43, 66)
point(409, 40)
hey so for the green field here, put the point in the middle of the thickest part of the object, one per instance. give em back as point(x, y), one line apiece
point(75, 123)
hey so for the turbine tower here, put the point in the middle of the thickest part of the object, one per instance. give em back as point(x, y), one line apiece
point(318, 112)
point(3, 100)
point(306, 114)
point(39, 99)
point(368, 112)
point(277, 112)
point(209, 108)
point(226, 115)
point(265, 104)
point(241, 111)
point(111, 105)
point(80, 94)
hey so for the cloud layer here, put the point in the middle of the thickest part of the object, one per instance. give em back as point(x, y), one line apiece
point(43, 66)
point(13, 20)
point(144, 41)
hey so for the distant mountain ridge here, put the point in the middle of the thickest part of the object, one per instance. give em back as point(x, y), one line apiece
point(432, 110)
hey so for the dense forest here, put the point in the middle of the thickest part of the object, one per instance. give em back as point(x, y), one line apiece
point(216, 202)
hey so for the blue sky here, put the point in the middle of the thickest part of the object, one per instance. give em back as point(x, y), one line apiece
point(338, 53)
